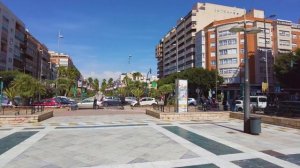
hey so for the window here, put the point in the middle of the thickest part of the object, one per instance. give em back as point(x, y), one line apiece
point(228, 80)
point(227, 42)
point(263, 30)
point(213, 54)
point(225, 33)
point(284, 33)
point(212, 44)
point(228, 51)
point(294, 45)
point(242, 51)
point(228, 61)
point(242, 41)
point(294, 36)
point(228, 70)
point(261, 40)
point(213, 63)
point(284, 42)
point(212, 35)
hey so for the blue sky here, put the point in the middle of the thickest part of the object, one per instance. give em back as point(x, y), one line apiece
point(101, 34)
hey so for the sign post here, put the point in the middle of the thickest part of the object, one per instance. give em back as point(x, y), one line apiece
point(181, 96)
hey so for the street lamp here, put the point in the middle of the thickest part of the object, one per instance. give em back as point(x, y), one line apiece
point(253, 30)
point(266, 51)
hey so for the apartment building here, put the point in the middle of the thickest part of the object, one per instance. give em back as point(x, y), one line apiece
point(36, 58)
point(19, 49)
point(177, 48)
point(61, 59)
point(224, 50)
point(12, 35)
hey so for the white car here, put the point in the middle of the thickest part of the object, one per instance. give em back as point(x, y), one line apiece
point(88, 103)
point(192, 101)
point(144, 101)
point(256, 103)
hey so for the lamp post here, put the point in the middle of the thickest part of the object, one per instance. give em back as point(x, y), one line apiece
point(266, 51)
point(253, 30)
point(176, 44)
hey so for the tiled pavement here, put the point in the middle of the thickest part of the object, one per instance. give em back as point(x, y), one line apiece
point(137, 140)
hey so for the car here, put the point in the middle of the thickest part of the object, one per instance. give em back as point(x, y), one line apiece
point(239, 105)
point(192, 102)
point(88, 103)
point(6, 102)
point(67, 102)
point(51, 102)
point(144, 102)
point(111, 101)
point(128, 100)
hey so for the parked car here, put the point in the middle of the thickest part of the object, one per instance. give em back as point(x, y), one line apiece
point(64, 101)
point(88, 103)
point(51, 102)
point(239, 105)
point(6, 102)
point(129, 99)
point(111, 101)
point(144, 101)
point(192, 102)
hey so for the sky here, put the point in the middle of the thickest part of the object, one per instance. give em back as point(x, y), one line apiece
point(100, 35)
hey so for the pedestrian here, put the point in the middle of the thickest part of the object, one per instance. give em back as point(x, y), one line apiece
point(95, 103)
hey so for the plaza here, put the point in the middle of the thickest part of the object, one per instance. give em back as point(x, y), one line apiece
point(130, 138)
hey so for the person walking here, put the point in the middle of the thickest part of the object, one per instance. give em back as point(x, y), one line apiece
point(95, 103)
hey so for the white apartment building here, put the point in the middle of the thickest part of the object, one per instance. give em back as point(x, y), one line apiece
point(12, 35)
point(178, 45)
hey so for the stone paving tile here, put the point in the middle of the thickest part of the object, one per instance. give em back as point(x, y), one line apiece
point(92, 147)
point(255, 163)
point(201, 166)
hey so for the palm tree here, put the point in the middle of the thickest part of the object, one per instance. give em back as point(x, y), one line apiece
point(90, 82)
point(137, 93)
point(11, 93)
point(103, 85)
point(110, 82)
point(27, 86)
point(96, 84)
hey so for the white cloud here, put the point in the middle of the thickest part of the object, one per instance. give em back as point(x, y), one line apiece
point(102, 75)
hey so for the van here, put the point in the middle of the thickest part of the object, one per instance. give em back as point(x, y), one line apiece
point(258, 102)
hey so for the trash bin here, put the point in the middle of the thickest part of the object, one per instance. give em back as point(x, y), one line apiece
point(255, 125)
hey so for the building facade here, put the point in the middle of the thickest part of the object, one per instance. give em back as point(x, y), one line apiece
point(12, 35)
point(216, 48)
point(61, 59)
point(19, 49)
point(177, 48)
point(224, 50)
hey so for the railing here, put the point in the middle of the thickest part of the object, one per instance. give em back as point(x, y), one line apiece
point(22, 110)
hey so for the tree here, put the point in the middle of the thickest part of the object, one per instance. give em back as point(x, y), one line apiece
point(110, 82)
point(197, 78)
point(8, 77)
point(287, 69)
point(27, 86)
point(96, 84)
point(165, 90)
point(11, 93)
point(137, 93)
point(103, 85)
point(90, 82)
